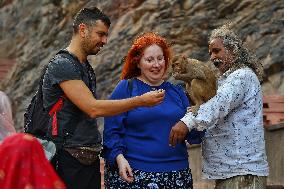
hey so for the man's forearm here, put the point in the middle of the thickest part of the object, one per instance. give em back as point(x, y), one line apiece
point(79, 94)
point(101, 108)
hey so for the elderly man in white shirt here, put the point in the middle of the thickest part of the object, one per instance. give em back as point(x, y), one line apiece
point(233, 147)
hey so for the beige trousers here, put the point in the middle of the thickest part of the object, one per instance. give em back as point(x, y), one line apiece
point(242, 182)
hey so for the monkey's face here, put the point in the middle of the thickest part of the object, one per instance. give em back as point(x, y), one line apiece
point(178, 65)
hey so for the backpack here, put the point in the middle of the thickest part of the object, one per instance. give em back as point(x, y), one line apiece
point(36, 117)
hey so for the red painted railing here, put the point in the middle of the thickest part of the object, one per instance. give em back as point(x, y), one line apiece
point(273, 109)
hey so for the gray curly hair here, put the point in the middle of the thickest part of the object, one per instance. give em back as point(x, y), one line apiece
point(233, 43)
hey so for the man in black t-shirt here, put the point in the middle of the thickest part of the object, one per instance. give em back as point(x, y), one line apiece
point(69, 75)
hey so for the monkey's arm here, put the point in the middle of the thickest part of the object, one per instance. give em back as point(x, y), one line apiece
point(184, 77)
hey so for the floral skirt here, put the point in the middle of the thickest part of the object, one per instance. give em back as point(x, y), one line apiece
point(181, 179)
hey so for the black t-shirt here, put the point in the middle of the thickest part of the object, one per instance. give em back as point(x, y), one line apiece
point(75, 128)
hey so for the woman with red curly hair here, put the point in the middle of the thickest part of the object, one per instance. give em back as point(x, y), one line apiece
point(131, 68)
point(136, 143)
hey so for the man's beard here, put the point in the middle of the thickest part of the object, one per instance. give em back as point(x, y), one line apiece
point(217, 62)
point(89, 48)
point(223, 65)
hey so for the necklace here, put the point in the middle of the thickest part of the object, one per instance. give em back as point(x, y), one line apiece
point(150, 84)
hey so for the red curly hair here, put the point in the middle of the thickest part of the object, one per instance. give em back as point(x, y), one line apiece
point(135, 53)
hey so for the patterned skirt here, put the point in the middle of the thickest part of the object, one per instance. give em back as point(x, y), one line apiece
point(181, 179)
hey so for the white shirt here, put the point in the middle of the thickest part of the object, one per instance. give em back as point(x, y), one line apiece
point(234, 140)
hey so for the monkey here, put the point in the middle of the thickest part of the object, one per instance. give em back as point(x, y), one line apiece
point(200, 79)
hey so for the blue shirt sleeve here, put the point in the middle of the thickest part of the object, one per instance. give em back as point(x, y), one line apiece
point(183, 97)
point(195, 137)
point(114, 127)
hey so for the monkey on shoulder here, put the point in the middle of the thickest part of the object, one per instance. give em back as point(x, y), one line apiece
point(200, 79)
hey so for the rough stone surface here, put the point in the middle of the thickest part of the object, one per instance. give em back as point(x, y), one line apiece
point(32, 31)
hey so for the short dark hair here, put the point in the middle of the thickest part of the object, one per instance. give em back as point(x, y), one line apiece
point(89, 16)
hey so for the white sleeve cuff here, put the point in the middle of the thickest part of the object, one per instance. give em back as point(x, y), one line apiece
point(187, 119)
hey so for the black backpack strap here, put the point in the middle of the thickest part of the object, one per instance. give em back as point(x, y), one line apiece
point(39, 91)
point(130, 86)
